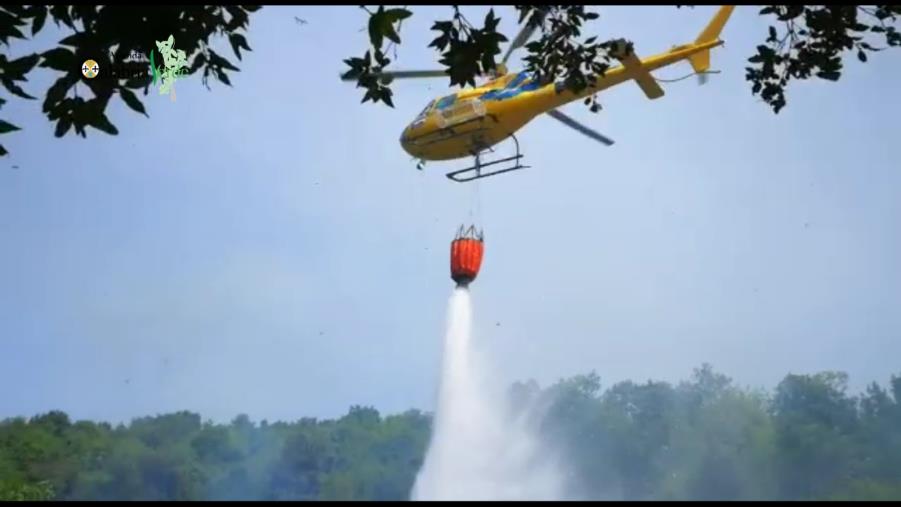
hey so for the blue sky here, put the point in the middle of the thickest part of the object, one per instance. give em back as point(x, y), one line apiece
point(269, 249)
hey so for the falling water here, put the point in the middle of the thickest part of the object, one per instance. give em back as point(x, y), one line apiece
point(479, 450)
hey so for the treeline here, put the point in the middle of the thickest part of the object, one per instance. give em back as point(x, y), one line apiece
point(701, 439)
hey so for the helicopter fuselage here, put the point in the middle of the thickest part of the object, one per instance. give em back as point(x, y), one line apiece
point(471, 121)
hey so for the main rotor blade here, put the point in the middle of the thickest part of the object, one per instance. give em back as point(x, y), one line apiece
point(570, 122)
point(523, 35)
point(404, 74)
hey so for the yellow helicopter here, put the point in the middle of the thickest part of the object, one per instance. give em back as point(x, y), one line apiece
point(472, 121)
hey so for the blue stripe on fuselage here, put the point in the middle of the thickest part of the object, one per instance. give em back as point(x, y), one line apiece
point(514, 88)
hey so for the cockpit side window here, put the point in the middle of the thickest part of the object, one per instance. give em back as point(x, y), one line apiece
point(446, 101)
point(425, 111)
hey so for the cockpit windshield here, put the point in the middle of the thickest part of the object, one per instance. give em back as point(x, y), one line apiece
point(425, 111)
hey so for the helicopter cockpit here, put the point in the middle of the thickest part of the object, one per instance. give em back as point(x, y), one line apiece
point(420, 118)
point(441, 103)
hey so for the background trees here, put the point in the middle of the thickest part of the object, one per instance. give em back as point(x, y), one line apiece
point(704, 438)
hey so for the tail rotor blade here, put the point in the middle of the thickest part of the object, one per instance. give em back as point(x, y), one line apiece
point(570, 122)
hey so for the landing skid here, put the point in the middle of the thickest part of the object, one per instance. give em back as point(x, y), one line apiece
point(476, 170)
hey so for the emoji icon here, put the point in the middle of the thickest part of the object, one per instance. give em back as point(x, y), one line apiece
point(90, 69)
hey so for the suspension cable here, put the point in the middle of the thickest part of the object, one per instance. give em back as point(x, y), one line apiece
point(688, 76)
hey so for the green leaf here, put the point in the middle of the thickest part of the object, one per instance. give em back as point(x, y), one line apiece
point(861, 56)
point(62, 126)
point(60, 59)
point(381, 59)
point(238, 41)
point(15, 89)
point(391, 34)
point(99, 121)
point(442, 26)
point(61, 13)
point(3, 151)
point(132, 101)
point(381, 25)
point(218, 61)
point(22, 66)
point(74, 40)
point(8, 20)
point(199, 60)
point(376, 22)
point(58, 91)
point(385, 95)
point(18, 10)
point(238, 18)
point(39, 20)
point(8, 30)
point(59, 109)
point(6, 127)
point(491, 21)
point(223, 77)
point(830, 75)
point(396, 15)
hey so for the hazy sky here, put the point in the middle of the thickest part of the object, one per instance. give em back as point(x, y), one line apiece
point(269, 248)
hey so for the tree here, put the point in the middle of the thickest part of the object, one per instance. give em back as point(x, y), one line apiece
point(639, 419)
point(815, 423)
point(811, 41)
point(26, 492)
point(702, 439)
point(108, 35)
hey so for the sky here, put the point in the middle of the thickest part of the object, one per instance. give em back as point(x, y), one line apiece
point(269, 249)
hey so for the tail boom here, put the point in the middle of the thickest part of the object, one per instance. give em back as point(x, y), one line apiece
point(632, 68)
point(697, 53)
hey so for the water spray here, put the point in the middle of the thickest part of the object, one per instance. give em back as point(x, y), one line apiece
point(479, 450)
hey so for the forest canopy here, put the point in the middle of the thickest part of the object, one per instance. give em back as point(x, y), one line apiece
point(701, 439)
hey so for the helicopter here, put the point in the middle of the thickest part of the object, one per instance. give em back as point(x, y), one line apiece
point(470, 122)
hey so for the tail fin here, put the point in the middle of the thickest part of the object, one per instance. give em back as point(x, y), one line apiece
point(700, 62)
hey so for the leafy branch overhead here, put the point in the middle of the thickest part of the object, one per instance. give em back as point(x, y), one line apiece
point(383, 24)
point(109, 35)
point(804, 41)
point(813, 41)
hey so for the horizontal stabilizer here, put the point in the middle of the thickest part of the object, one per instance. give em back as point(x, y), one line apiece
point(645, 80)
